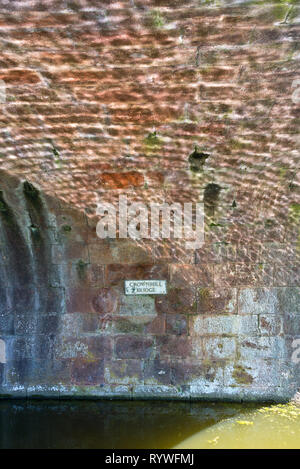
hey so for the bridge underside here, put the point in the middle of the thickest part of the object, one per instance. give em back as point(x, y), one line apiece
point(163, 103)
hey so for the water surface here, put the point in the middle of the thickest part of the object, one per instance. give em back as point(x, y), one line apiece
point(105, 424)
point(271, 427)
point(144, 424)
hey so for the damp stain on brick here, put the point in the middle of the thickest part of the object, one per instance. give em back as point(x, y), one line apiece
point(211, 193)
point(30, 191)
point(81, 268)
point(5, 211)
point(210, 199)
point(197, 159)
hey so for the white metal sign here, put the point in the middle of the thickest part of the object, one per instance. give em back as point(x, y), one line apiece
point(145, 287)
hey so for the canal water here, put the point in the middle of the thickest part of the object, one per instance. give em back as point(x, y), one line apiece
point(146, 424)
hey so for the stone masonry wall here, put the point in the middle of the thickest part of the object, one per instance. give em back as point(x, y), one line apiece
point(193, 101)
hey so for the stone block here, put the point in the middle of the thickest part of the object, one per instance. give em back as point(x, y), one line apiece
point(217, 300)
point(173, 346)
point(137, 305)
point(256, 348)
point(229, 325)
point(214, 348)
point(157, 371)
point(270, 324)
point(252, 373)
point(152, 392)
point(284, 300)
point(134, 347)
point(177, 300)
point(123, 371)
point(243, 274)
point(291, 325)
point(90, 299)
point(87, 372)
point(121, 180)
point(156, 326)
point(72, 252)
point(176, 324)
point(196, 276)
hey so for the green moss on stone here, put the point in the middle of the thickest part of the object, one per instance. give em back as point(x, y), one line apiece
point(203, 293)
point(157, 19)
point(152, 139)
point(295, 212)
point(66, 228)
point(241, 376)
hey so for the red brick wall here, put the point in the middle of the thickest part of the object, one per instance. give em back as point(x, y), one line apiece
point(87, 84)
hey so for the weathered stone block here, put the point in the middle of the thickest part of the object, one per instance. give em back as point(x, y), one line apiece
point(72, 347)
point(83, 274)
point(287, 274)
point(121, 180)
point(87, 372)
point(73, 252)
point(214, 348)
point(123, 371)
point(176, 324)
point(20, 347)
point(291, 325)
point(156, 326)
point(255, 348)
point(48, 323)
point(252, 373)
point(20, 77)
point(133, 347)
point(173, 346)
point(137, 305)
point(7, 323)
point(71, 323)
point(99, 346)
point(230, 325)
point(89, 322)
point(270, 324)
point(86, 300)
point(106, 301)
point(198, 276)
point(129, 324)
point(289, 300)
point(100, 252)
point(159, 392)
point(25, 321)
point(208, 379)
point(282, 300)
point(217, 300)
point(258, 301)
point(157, 371)
point(119, 252)
point(90, 347)
point(177, 300)
point(233, 275)
point(2, 371)
point(66, 234)
point(26, 372)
